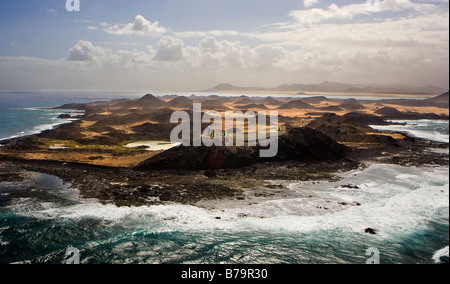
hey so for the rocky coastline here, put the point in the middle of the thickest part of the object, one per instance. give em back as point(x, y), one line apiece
point(315, 148)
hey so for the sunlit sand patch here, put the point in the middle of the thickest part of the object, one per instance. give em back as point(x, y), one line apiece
point(57, 147)
point(153, 145)
point(397, 136)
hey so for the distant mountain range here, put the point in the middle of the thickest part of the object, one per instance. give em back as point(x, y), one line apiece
point(335, 87)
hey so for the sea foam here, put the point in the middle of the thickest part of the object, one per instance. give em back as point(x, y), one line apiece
point(441, 256)
point(399, 203)
point(435, 130)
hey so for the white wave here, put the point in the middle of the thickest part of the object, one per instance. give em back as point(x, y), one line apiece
point(394, 200)
point(419, 128)
point(53, 121)
point(39, 129)
point(439, 151)
point(440, 254)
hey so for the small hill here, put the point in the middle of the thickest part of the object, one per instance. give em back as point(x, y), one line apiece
point(330, 108)
point(296, 104)
point(244, 101)
point(393, 113)
point(315, 100)
point(251, 106)
point(351, 104)
point(150, 101)
point(73, 107)
point(181, 102)
point(442, 100)
point(352, 128)
point(389, 112)
point(221, 99)
point(272, 102)
point(213, 105)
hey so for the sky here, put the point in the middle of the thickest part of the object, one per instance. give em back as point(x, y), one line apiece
point(190, 45)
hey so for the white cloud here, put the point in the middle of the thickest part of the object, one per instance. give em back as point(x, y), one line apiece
point(307, 18)
point(170, 50)
point(140, 26)
point(406, 42)
point(100, 57)
point(309, 3)
point(51, 11)
point(85, 51)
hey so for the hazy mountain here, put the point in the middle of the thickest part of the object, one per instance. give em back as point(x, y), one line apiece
point(442, 99)
point(335, 87)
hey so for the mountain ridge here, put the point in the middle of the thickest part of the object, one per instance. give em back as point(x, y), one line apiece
point(327, 86)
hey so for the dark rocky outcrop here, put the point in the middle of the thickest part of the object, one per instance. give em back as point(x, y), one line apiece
point(393, 113)
point(307, 144)
point(300, 144)
point(351, 104)
point(363, 119)
point(64, 116)
point(370, 231)
point(352, 127)
point(73, 106)
point(200, 158)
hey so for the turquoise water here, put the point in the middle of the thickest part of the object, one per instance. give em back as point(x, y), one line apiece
point(23, 113)
point(41, 217)
point(16, 122)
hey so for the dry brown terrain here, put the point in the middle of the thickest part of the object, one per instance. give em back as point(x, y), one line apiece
point(100, 136)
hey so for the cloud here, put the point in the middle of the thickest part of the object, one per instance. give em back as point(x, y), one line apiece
point(307, 18)
point(140, 26)
point(100, 57)
point(170, 50)
point(309, 3)
point(51, 11)
point(85, 51)
point(406, 42)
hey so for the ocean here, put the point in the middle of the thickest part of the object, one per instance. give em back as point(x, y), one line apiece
point(26, 113)
point(41, 217)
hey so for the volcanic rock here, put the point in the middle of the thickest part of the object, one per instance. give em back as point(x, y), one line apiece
point(301, 144)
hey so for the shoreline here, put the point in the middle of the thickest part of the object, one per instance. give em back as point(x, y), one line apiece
point(90, 152)
point(38, 129)
point(124, 186)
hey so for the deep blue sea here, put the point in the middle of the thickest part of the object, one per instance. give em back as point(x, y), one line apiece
point(41, 217)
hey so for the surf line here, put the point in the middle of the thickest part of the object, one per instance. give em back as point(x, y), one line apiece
point(236, 129)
